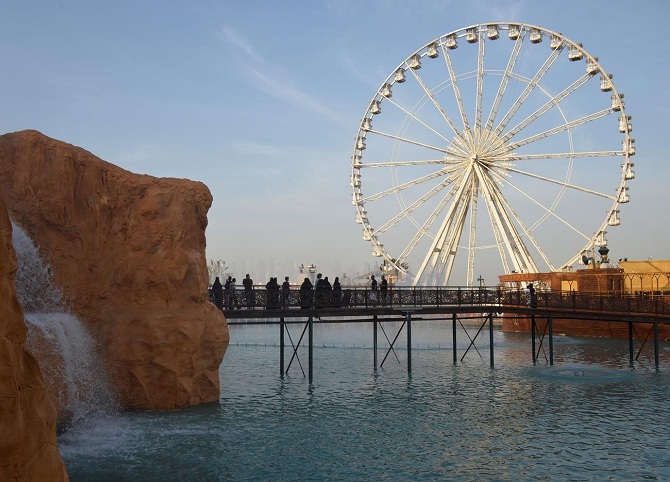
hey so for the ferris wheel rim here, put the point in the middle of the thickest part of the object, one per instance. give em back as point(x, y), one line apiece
point(457, 150)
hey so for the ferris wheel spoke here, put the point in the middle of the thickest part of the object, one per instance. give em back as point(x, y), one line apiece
point(558, 155)
point(480, 83)
point(408, 141)
point(405, 185)
point(530, 87)
point(426, 162)
point(557, 129)
point(502, 87)
point(548, 105)
point(416, 204)
point(547, 210)
point(560, 183)
point(457, 90)
point(473, 232)
point(452, 145)
point(438, 106)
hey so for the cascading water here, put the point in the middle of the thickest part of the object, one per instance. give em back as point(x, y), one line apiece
point(67, 354)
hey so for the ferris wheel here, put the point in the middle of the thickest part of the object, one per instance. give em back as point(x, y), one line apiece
point(501, 146)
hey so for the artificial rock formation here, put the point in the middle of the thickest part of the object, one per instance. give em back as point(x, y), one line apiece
point(28, 449)
point(128, 251)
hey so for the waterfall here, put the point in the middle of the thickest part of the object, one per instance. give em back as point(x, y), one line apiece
point(68, 355)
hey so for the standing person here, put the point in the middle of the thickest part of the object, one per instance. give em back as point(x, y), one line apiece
point(530, 294)
point(319, 291)
point(217, 293)
point(337, 293)
point(306, 294)
point(285, 291)
point(272, 288)
point(373, 289)
point(327, 292)
point(384, 289)
point(248, 284)
point(533, 298)
point(232, 299)
point(226, 289)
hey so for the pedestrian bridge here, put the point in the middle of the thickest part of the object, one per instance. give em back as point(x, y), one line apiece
point(644, 316)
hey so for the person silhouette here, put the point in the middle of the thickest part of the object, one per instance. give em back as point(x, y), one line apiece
point(383, 289)
point(306, 294)
point(217, 293)
point(249, 297)
point(232, 298)
point(285, 291)
point(337, 292)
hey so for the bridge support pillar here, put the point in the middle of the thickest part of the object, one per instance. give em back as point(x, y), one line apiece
point(374, 341)
point(311, 349)
point(491, 338)
point(281, 347)
point(533, 329)
point(550, 322)
point(656, 358)
point(453, 327)
point(631, 348)
point(408, 317)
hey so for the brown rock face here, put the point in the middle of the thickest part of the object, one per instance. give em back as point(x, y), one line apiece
point(128, 251)
point(28, 449)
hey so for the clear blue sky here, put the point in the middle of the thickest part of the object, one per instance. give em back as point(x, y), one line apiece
point(261, 100)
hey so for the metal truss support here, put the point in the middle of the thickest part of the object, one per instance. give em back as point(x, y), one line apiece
point(632, 334)
point(392, 343)
point(487, 319)
point(540, 336)
point(295, 347)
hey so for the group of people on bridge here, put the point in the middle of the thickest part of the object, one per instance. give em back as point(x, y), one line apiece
point(320, 294)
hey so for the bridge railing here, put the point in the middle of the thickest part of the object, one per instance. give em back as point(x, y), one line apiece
point(357, 297)
point(436, 296)
point(604, 302)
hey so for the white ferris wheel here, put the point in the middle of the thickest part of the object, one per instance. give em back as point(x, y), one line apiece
point(501, 147)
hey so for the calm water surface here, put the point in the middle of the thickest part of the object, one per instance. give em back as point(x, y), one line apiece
point(588, 417)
